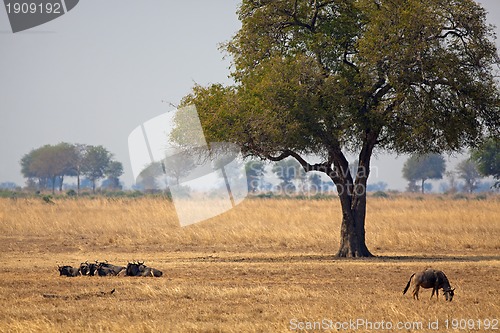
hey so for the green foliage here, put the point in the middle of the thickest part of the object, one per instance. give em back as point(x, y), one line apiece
point(49, 162)
point(48, 199)
point(178, 166)
point(423, 167)
point(135, 194)
point(114, 169)
point(487, 158)
point(380, 194)
point(481, 197)
point(460, 196)
point(325, 77)
point(147, 179)
point(71, 193)
point(95, 163)
point(467, 170)
point(14, 195)
point(321, 77)
point(314, 75)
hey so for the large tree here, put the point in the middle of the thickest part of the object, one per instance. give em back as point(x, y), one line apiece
point(327, 77)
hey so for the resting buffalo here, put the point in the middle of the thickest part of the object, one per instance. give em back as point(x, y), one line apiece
point(106, 269)
point(87, 268)
point(69, 271)
point(139, 269)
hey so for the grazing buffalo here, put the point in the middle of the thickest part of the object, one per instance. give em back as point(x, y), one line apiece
point(68, 271)
point(430, 278)
point(139, 269)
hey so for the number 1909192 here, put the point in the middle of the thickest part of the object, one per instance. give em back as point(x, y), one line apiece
point(34, 8)
point(472, 324)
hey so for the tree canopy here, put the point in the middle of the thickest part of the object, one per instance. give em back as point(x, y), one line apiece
point(95, 163)
point(423, 167)
point(51, 163)
point(405, 76)
point(325, 77)
point(467, 170)
point(487, 158)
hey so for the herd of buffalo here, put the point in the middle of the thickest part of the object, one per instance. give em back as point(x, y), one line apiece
point(106, 269)
point(429, 278)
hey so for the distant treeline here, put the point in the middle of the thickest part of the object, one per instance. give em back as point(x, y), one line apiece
point(46, 167)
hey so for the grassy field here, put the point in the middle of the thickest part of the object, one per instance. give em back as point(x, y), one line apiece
point(266, 266)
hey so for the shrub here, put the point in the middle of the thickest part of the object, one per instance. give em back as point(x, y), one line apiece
point(380, 194)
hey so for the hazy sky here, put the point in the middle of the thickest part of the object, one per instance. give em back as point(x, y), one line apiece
point(94, 74)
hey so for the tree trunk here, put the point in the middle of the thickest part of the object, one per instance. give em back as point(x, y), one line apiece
point(61, 184)
point(352, 230)
point(78, 184)
point(353, 201)
point(423, 190)
point(54, 185)
point(352, 194)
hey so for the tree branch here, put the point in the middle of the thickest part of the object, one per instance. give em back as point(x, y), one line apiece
point(347, 62)
point(325, 167)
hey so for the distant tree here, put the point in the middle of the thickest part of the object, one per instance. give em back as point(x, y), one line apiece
point(27, 170)
point(113, 171)
point(423, 167)
point(95, 163)
point(379, 186)
point(316, 183)
point(467, 170)
point(85, 183)
point(8, 186)
point(452, 181)
point(254, 171)
point(178, 166)
point(80, 150)
point(487, 158)
point(147, 179)
point(44, 167)
point(49, 164)
point(66, 156)
point(287, 171)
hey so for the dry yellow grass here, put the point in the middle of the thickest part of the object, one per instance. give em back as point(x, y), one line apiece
point(266, 266)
